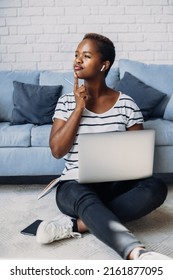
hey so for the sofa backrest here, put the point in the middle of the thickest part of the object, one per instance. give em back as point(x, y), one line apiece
point(158, 76)
point(6, 89)
point(66, 79)
point(38, 77)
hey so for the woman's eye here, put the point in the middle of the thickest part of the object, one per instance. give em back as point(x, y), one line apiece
point(83, 56)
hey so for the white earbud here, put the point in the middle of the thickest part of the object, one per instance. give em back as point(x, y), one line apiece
point(103, 67)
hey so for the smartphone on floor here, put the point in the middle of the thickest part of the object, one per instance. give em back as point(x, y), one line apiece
point(32, 228)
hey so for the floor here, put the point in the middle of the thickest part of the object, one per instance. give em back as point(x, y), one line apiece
point(19, 207)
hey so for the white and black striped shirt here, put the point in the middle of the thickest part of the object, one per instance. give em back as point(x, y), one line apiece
point(124, 114)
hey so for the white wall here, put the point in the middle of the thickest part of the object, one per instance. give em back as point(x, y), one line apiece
point(43, 34)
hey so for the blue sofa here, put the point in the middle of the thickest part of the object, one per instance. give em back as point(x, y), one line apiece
point(24, 147)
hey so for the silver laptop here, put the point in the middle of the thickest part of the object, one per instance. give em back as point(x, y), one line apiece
point(116, 156)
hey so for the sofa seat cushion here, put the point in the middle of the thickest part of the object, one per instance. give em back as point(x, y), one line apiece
point(40, 135)
point(163, 129)
point(15, 136)
point(30, 161)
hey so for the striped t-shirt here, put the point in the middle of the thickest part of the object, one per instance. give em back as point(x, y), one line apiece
point(123, 114)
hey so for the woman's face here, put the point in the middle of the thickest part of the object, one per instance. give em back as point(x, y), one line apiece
point(87, 62)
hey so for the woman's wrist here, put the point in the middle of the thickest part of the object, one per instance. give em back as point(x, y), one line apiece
point(79, 110)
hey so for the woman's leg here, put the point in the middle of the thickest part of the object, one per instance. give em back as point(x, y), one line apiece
point(152, 191)
point(139, 198)
point(81, 200)
point(88, 203)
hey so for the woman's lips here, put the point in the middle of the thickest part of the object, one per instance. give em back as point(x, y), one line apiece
point(77, 68)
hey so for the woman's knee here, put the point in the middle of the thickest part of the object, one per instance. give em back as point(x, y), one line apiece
point(65, 197)
point(158, 190)
point(74, 196)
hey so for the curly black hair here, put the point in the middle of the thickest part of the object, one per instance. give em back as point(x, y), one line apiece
point(105, 47)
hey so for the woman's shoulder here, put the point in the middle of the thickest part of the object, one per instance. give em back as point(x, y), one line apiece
point(67, 102)
point(124, 98)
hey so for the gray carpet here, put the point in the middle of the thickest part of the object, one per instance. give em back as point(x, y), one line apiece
point(19, 207)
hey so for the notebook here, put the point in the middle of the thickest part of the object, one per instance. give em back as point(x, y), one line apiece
point(116, 156)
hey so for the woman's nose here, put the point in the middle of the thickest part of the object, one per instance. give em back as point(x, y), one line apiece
point(79, 59)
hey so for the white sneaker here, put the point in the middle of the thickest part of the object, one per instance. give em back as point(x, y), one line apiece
point(48, 232)
point(151, 256)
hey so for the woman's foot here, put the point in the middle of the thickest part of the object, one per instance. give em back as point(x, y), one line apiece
point(141, 253)
point(48, 232)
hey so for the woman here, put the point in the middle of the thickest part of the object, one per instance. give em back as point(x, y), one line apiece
point(99, 208)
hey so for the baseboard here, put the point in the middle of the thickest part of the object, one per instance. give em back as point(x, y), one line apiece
point(13, 180)
point(45, 179)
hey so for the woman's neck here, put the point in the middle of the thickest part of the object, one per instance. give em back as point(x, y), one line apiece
point(95, 88)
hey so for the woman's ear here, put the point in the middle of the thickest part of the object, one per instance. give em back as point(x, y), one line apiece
point(105, 66)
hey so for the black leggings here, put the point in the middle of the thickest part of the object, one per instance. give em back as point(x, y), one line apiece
point(103, 207)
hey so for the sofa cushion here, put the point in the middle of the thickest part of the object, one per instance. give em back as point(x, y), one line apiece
point(156, 76)
point(29, 162)
point(67, 79)
point(40, 135)
point(15, 136)
point(113, 78)
point(163, 129)
point(145, 96)
point(6, 90)
point(168, 114)
point(34, 103)
point(58, 78)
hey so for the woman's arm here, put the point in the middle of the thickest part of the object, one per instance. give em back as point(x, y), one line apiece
point(63, 132)
point(136, 127)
